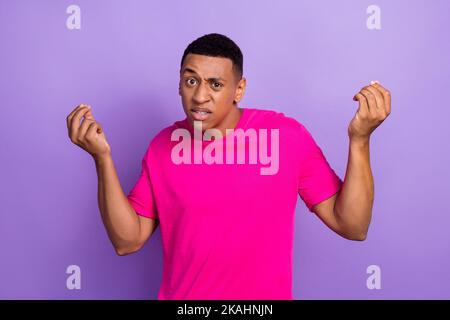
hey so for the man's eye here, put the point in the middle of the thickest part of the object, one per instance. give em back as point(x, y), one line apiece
point(217, 85)
point(191, 81)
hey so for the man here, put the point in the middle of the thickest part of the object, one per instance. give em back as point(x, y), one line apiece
point(227, 215)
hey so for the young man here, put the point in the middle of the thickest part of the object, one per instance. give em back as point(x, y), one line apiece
point(223, 183)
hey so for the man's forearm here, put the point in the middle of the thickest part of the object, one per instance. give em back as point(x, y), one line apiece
point(353, 207)
point(119, 218)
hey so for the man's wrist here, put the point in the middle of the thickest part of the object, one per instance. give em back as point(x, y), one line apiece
point(360, 142)
point(102, 159)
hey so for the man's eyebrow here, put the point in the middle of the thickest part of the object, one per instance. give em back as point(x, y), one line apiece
point(209, 79)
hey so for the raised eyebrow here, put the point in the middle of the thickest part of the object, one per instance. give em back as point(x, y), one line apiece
point(209, 79)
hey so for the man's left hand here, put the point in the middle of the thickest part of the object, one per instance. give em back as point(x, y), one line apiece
point(374, 108)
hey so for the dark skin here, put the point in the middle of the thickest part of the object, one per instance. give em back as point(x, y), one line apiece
point(211, 83)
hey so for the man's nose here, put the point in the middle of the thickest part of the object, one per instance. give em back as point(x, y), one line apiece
point(201, 94)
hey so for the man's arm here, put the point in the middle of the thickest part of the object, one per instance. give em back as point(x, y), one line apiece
point(349, 211)
point(126, 230)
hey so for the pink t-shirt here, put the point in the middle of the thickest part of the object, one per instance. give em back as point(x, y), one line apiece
point(227, 229)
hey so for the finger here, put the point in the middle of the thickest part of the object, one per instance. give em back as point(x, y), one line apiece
point(90, 115)
point(99, 128)
point(75, 121)
point(83, 128)
point(386, 95)
point(371, 102)
point(363, 109)
point(74, 110)
point(91, 131)
point(378, 96)
point(70, 116)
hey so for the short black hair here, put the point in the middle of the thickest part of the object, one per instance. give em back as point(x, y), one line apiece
point(217, 45)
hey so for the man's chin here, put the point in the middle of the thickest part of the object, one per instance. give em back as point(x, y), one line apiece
point(203, 124)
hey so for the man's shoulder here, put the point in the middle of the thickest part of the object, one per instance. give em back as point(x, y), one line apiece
point(162, 139)
point(274, 119)
point(167, 131)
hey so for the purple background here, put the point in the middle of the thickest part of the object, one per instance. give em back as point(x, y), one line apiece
point(304, 58)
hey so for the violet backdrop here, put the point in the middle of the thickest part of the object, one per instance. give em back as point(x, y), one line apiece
point(304, 58)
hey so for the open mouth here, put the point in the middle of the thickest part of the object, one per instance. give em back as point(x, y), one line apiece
point(200, 115)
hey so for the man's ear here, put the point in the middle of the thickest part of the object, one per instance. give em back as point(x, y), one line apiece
point(240, 90)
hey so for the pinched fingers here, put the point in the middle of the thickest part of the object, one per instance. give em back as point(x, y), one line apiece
point(83, 128)
point(77, 131)
point(71, 115)
point(379, 99)
point(92, 131)
point(363, 109)
point(386, 96)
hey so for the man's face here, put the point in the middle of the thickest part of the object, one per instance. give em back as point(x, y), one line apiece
point(210, 90)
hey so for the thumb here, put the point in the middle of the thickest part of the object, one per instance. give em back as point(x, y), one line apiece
point(355, 97)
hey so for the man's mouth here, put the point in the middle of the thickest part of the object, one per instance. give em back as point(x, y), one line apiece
point(200, 114)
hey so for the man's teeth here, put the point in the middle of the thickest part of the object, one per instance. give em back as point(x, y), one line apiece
point(201, 112)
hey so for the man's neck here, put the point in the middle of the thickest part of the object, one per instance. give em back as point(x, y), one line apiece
point(231, 121)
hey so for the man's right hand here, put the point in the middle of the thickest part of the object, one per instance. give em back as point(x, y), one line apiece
point(89, 135)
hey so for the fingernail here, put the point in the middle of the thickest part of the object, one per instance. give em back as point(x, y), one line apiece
point(374, 81)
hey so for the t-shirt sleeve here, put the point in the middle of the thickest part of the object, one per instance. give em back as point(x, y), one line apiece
point(317, 180)
point(141, 197)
